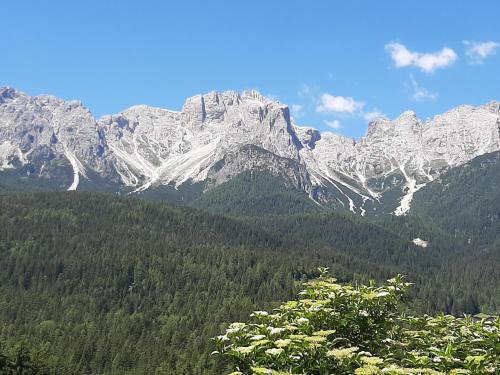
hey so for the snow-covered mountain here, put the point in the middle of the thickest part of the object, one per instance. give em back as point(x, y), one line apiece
point(216, 136)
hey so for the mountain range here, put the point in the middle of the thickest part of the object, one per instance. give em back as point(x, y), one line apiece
point(111, 284)
point(56, 144)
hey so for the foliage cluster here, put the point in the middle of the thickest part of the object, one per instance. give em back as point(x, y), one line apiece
point(345, 329)
point(20, 360)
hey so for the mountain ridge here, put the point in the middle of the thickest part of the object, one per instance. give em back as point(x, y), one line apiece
point(209, 141)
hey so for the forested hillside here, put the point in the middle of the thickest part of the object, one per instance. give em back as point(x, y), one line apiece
point(465, 200)
point(95, 283)
point(256, 194)
point(110, 285)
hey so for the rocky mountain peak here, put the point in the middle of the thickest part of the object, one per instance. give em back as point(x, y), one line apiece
point(493, 106)
point(8, 93)
point(255, 95)
point(307, 136)
point(406, 121)
point(220, 134)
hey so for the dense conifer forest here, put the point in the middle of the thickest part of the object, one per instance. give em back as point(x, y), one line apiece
point(466, 200)
point(98, 284)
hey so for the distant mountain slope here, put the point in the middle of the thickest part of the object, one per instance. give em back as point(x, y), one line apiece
point(217, 136)
point(465, 200)
point(256, 194)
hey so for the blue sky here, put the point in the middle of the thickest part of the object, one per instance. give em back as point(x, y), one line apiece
point(336, 63)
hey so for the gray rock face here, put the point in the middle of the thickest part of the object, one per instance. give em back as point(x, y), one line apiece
point(153, 146)
point(405, 147)
point(45, 129)
point(252, 158)
point(218, 135)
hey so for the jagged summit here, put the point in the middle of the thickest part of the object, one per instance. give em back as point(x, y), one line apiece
point(8, 93)
point(221, 134)
point(493, 106)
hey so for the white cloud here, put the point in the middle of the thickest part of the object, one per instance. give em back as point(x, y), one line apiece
point(373, 115)
point(346, 107)
point(478, 51)
point(332, 104)
point(427, 62)
point(297, 110)
point(334, 124)
point(420, 93)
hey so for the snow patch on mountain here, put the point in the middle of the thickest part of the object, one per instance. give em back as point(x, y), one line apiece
point(420, 242)
point(78, 168)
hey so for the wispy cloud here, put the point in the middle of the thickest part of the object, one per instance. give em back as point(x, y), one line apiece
point(427, 62)
point(373, 115)
point(477, 52)
point(306, 92)
point(297, 110)
point(421, 93)
point(338, 104)
point(334, 124)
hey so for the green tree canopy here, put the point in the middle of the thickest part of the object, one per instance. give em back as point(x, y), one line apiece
point(358, 329)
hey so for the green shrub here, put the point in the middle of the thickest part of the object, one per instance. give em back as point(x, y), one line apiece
point(346, 329)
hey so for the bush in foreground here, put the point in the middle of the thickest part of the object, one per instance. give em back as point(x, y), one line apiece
point(346, 329)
